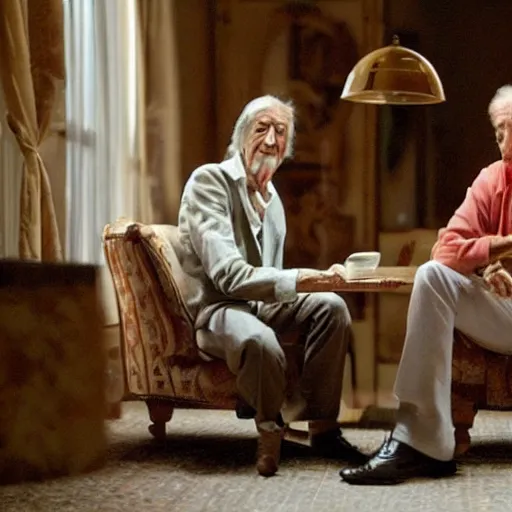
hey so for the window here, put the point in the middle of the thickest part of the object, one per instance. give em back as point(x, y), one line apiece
point(102, 117)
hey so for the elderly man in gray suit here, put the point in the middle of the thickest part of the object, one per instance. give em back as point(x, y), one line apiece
point(232, 228)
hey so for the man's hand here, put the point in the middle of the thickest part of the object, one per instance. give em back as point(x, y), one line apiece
point(338, 270)
point(309, 279)
point(498, 280)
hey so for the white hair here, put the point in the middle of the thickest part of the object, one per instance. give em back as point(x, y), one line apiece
point(501, 96)
point(249, 113)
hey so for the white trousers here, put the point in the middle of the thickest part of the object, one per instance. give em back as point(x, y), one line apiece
point(442, 300)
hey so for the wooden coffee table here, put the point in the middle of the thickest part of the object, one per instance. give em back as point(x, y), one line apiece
point(387, 279)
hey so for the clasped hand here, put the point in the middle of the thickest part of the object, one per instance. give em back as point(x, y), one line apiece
point(498, 279)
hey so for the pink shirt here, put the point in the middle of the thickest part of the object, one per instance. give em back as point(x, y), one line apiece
point(486, 212)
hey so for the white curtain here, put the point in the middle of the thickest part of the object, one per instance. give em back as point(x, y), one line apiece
point(11, 162)
point(103, 145)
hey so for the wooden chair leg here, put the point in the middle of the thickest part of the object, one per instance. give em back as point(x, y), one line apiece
point(463, 415)
point(114, 411)
point(160, 412)
point(462, 440)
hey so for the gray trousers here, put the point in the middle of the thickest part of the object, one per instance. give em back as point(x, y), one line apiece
point(442, 300)
point(246, 336)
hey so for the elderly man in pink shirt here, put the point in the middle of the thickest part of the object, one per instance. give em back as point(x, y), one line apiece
point(466, 286)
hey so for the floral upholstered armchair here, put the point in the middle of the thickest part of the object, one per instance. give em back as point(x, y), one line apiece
point(162, 364)
point(481, 379)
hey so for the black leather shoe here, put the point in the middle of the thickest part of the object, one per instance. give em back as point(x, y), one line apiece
point(243, 410)
point(395, 463)
point(332, 445)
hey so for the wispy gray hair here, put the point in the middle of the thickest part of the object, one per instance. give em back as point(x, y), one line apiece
point(502, 95)
point(249, 113)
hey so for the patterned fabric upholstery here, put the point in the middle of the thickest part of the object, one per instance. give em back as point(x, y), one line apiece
point(160, 355)
point(481, 379)
point(480, 375)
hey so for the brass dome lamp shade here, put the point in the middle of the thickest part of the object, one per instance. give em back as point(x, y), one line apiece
point(394, 75)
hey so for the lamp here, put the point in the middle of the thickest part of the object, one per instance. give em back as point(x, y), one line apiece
point(394, 75)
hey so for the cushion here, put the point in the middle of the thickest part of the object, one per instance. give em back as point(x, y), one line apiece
point(159, 239)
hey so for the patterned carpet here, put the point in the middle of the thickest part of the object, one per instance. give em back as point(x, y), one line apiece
point(207, 465)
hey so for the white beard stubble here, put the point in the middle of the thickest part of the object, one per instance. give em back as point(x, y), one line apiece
point(261, 162)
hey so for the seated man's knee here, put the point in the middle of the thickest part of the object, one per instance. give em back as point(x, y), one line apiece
point(431, 272)
point(334, 306)
point(264, 345)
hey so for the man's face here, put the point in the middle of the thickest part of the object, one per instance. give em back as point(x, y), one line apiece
point(502, 122)
point(265, 144)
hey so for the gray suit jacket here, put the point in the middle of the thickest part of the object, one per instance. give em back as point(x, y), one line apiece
point(219, 250)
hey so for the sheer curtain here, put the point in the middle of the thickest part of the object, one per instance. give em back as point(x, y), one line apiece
point(103, 143)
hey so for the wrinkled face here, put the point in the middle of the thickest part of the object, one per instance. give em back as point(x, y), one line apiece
point(502, 122)
point(265, 144)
